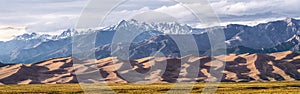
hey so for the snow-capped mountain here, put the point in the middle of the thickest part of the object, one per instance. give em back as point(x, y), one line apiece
point(32, 36)
point(46, 37)
point(66, 34)
point(14, 48)
point(265, 35)
point(268, 37)
point(36, 46)
point(166, 28)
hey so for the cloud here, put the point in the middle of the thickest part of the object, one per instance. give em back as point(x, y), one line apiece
point(48, 16)
point(240, 8)
point(249, 23)
point(134, 8)
point(7, 32)
point(176, 11)
point(248, 12)
point(257, 8)
point(52, 23)
point(180, 13)
point(116, 16)
point(34, 14)
point(151, 4)
point(42, 16)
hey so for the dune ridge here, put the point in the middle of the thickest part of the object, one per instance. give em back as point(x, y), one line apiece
point(282, 66)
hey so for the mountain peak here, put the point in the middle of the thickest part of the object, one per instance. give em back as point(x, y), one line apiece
point(165, 27)
point(290, 21)
point(67, 33)
point(32, 36)
point(44, 37)
point(131, 21)
point(27, 36)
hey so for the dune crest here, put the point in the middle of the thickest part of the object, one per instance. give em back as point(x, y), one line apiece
point(282, 66)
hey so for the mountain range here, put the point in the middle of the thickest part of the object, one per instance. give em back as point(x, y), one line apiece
point(271, 37)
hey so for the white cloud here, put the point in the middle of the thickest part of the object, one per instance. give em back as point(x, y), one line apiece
point(115, 16)
point(42, 16)
point(51, 15)
point(249, 23)
point(191, 13)
point(9, 32)
point(253, 7)
point(178, 11)
point(52, 23)
point(243, 7)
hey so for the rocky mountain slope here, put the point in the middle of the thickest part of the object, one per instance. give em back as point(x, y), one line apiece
point(275, 36)
point(282, 66)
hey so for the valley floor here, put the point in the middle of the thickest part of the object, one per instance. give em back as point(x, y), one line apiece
point(224, 88)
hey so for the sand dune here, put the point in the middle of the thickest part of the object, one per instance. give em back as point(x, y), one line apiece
point(283, 66)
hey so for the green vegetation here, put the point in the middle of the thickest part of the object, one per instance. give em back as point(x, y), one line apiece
point(224, 88)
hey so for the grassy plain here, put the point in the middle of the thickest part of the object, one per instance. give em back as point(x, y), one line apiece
point(224, 88)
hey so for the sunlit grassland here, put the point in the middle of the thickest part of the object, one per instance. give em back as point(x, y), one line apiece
point(224, 88)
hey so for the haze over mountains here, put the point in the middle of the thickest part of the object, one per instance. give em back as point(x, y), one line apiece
point(271, 37)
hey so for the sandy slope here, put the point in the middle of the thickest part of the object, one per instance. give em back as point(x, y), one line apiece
point(238, 68)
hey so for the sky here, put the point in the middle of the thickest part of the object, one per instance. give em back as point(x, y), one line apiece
point(52, 16)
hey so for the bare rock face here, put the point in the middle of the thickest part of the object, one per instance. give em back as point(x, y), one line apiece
point(282, 66)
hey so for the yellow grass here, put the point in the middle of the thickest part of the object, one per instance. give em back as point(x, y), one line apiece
point(224, 88)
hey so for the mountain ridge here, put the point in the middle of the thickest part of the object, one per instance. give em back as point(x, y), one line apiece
point(273, 36)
